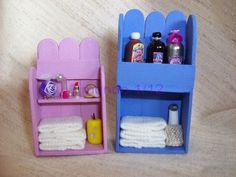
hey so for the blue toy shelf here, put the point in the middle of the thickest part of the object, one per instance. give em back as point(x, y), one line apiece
point(147, 89)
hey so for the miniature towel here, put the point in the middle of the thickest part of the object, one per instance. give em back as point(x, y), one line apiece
point(142, 123)
point(78, 134)
point(74, 135)
point(61, 124)
point(141, 144)
point(62, 145)
point(151, 135)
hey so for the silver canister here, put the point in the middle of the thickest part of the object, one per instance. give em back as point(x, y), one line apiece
point(175, 53)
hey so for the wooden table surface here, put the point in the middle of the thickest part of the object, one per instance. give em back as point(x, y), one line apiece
point(23, 23)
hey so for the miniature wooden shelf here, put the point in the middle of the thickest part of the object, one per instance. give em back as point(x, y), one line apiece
point(147, 89)
point(69, 100)
point(77, 62)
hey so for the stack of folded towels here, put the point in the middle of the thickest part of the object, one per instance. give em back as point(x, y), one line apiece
point(141, 131)
point(61, 133)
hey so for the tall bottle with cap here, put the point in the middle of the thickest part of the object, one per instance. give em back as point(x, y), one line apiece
point(134, 49)
point(155, 50)
point(175, 48)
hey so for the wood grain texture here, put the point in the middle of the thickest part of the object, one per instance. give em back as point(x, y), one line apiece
point(23, 23)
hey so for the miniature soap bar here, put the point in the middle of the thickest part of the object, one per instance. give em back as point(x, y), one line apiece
point(134, 49)
point(94, 130)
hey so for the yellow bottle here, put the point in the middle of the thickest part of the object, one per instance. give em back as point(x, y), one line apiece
point(94, 130)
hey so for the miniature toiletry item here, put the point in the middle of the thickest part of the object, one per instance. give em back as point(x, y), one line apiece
point(94, 130)
point(91, 91)
point(174, 131)
point(134, 49)
point(76, 89)
point(175, 48)
point(48, 88)
point(65, 93)
point(155, 50)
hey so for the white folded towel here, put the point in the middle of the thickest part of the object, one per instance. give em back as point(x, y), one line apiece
point(141, 144)
point(134, 135)
point(62, 145)
point(61, 124)
point(142, 123)
point(74, 135)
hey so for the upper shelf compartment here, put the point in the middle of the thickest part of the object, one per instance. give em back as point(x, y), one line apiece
point(156, 77)
point(133, 21)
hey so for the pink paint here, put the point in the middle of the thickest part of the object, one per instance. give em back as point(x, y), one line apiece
point(77, 62)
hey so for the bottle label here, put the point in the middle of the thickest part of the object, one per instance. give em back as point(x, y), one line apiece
point(157, 57)
point(175, 60)
point(137, 53)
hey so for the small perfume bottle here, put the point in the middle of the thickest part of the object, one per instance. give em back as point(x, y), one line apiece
point(155, 50)
point(134, 49)
point(175, 48)
point(174, 131)
point(76, 89)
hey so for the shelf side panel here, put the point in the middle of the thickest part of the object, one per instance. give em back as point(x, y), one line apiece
point(35, 109)
point(118, 116)
point(120, 37)
point(186, 122)
point(191, 40)
point(103, 107)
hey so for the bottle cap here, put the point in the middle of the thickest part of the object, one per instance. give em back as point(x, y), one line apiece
point(156, 35)
point(173, 115)
point(175, 37)
point(135, 35)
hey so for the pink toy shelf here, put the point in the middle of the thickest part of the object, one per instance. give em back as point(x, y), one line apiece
point(77, 62)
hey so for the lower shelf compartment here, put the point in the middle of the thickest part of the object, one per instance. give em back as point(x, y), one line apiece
point(166, 150)
point(154, 104)
point(89, 149)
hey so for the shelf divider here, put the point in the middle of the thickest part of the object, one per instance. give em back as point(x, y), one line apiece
point(69, 100)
